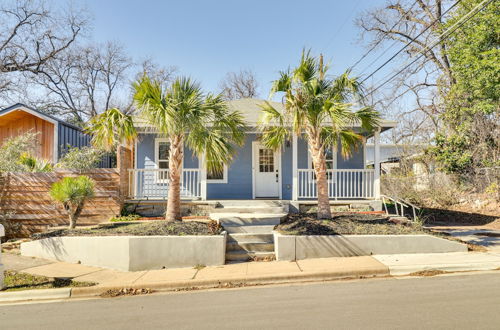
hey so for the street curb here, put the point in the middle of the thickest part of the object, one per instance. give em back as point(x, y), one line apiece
point(83, 292)
point(39, 294)
point(459, 267)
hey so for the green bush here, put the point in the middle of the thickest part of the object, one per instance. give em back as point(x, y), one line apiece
point(33, 164)
point(72, 193)
point(12, 150)
point(81, 159)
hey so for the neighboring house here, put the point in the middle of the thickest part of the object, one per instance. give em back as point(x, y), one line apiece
point(55, 136)
point(256, 172)
point(391, 155)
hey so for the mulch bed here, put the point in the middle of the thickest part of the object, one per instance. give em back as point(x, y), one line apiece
point(346, 224)
point(156, 228)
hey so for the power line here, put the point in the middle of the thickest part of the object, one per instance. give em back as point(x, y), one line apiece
point(342, 26)
point(380, 40)
point(411, 41)
point(444, 35)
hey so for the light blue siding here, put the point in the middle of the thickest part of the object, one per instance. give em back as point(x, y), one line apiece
point(239, 181)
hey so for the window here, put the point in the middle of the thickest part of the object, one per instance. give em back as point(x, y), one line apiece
point(331, 162)
point(217, 177)
point(330, 157)
point(266, 160)
point(162, 151)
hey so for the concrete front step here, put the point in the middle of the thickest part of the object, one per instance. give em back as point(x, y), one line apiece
point(250, 203)
point(250, 238)
point(250, 247)
point(248, 219)
point(245, 256)
point(249, 209)
point(265, 229)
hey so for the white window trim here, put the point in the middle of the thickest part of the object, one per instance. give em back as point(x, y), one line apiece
point(224, 177)
point(157, 164)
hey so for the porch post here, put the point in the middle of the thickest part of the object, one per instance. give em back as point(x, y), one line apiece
point(203, 177)
point(295, 180)
point(376, 164)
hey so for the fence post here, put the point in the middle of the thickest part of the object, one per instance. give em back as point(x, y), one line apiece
point(124, 163)
point(2, 234)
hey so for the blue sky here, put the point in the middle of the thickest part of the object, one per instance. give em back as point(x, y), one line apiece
point(206, 39)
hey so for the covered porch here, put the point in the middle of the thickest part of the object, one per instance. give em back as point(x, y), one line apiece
point(289, 169)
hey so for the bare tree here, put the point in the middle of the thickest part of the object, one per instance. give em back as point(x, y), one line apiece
point(84, 81)
point(238, 85)
point(398, 23)
point(31, 34)
point(156, 72)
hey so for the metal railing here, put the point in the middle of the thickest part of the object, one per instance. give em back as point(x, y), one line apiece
point(154, 183)
point(341, 183)
point(400, 207)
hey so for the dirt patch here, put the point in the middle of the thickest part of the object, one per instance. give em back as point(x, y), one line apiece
point(160, 228)
point(15, 281)
point(125, 292)
point(432, 272)
point(347, 224)
point(451, 217)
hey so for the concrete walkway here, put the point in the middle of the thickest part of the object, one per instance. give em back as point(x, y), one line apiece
point(246, 272)
point(488, 238)
point(261, 272)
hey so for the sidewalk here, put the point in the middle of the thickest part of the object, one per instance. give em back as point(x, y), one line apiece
point(255, 273)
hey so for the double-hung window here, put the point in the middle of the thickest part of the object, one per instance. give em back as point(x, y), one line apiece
point(162, 155)
point(217, 176)
point(330, 159)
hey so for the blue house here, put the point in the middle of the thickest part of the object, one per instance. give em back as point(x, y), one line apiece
point(256, 172)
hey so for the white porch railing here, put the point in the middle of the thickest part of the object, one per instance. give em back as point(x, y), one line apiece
point(341, 183)
point(154, 183)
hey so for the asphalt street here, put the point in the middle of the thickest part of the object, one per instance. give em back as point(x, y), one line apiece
point(443, 302)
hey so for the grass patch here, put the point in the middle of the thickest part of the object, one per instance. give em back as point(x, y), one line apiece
point(125, 218)
point(15, 281)
point(347, 224)
point(160, 228)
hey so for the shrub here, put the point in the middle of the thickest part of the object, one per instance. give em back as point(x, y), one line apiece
point(81, 159)
point(72, 193)
point(13, 148)
point(33, 164)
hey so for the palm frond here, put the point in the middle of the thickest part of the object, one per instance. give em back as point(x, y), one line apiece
point(111, 128)
point(349, 142)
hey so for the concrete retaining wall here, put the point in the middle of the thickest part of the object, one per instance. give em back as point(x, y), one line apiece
point(288, 247)
point(132, 253)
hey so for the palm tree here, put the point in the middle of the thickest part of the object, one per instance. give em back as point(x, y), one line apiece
point(318, 107)
point(111, 128)
point(186, 115)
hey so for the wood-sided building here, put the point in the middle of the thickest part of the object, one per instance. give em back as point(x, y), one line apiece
point(55, 136)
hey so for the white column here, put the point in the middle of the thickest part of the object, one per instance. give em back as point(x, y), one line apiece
point(295, 180)
point(203, 177)
point(376, 164)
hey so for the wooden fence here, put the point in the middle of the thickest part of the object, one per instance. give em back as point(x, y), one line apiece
point(25, 196)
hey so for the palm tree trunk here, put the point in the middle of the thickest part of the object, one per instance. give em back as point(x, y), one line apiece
point(318, 157)
point(176, 157)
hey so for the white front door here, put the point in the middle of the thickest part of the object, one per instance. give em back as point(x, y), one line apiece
point(266, 169)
